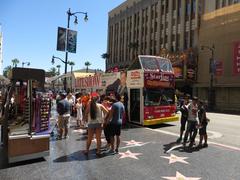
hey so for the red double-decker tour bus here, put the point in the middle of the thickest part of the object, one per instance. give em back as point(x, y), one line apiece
point(150, 84)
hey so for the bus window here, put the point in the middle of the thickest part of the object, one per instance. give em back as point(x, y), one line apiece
point(161, 97)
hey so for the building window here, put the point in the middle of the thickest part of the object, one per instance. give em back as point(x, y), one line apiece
point(188, 9)
point(217, 4)
point(186, 38)
point(162, 9)
point(166, 6)
point(191, 38)
point(155, 26)
point(193, 9)
point(174, 4)
point(223, 3)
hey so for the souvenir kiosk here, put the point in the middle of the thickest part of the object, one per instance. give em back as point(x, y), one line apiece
point(26, 116)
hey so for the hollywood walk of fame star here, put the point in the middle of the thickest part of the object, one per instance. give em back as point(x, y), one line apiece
point(102, 140)
point(133, 143)
point(79, 131)
point(179, 176)
point(129, 154)
point(173, 159)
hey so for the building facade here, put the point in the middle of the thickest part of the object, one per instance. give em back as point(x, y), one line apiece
point(220, 27)
point(177, 29)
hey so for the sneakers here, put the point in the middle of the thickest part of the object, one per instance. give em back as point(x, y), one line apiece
point(116, 150)
point(179, 140)
point(205, 145)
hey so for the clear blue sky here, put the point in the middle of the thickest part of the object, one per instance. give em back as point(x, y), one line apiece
point(30, 31)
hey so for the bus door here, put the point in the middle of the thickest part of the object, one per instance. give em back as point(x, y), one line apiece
point(135, 105)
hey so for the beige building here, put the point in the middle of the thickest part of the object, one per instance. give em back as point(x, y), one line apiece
point(177, 29)
point(221, 28)
point(146, 26)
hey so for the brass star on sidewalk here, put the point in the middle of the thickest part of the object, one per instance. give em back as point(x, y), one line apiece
point(129, 154)
point(133, 142)
point(173, 159)
point(179, 176)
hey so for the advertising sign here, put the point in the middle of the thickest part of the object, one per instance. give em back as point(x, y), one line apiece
point(109, 78)
point(71, 41)
point(218, 68)
point(158, 80)
point(88, 82)
point(135, 78)
point(236, 58)
point(61, 39)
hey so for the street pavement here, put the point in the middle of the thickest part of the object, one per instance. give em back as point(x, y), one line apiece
point(145, 153)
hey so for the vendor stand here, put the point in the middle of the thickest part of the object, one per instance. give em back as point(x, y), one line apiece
point(26, 116)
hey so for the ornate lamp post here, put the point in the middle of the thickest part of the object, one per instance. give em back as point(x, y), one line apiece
point(211, 95)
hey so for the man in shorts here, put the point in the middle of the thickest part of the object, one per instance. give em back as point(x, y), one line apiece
point(63, 109)
point(116, 115)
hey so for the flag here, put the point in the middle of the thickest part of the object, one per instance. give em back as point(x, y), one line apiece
point(61, 39)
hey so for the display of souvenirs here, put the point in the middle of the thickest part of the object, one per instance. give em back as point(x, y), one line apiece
point(42, 112)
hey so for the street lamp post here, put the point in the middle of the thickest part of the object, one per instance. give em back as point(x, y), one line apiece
point(27, 63)
point(69, 13)
point(211, 93)
point(65, 63)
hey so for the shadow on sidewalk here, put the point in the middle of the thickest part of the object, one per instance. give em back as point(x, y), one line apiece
point(80, 156)
point(174, 146)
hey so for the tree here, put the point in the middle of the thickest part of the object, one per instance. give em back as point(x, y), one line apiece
point(87, 63)
point(58, 66)
point(6, 70)
point(15, 62)
point(52, 72)
point(71, 63)
point(105, 56)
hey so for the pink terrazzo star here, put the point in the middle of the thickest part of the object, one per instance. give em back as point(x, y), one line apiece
point(129, 154)
point(173, 158)
point(179, 176)
point(133, 143)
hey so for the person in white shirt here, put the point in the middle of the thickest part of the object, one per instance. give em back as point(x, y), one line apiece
point(79, 117)
point(192, 121)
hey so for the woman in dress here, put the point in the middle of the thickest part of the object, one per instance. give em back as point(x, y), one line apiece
point(79, 117)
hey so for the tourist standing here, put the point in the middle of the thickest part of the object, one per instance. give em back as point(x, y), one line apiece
point(116, 116)
point(192, 121)
point(203, 122)
point(184, 117)
point(79, 116)
point(94, 116)
point(63, 109)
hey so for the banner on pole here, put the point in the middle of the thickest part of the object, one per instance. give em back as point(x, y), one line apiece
point(71, 41)
point(236, 58)
point(61, 39)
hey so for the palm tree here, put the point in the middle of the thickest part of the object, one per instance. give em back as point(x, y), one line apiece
point(71, 63)
point(105, 56)
point(134, 47)
point(6, 70)
point(52, 71)
point(58, 66)
point(15, 62)
point(87, 63)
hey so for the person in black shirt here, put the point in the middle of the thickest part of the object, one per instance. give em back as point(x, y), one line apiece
point(203, 122)
point(184, 117)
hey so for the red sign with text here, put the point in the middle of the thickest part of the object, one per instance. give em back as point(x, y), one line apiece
point(236, 58)
point(158, 80)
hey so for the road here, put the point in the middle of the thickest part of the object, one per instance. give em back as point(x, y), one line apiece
point(223, 128)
